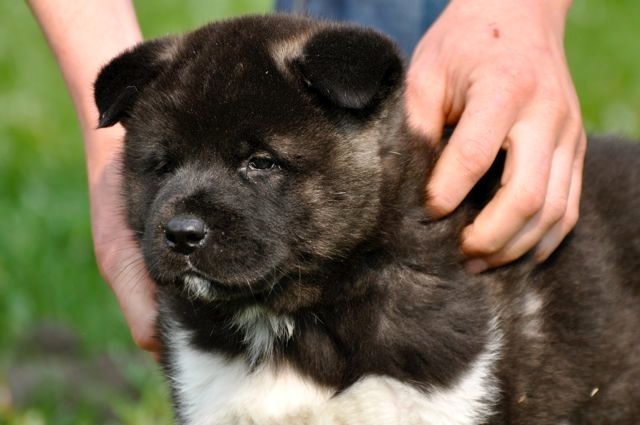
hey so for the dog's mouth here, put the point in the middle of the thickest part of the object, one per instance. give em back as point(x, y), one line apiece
point(197, 286)
point(198, 277)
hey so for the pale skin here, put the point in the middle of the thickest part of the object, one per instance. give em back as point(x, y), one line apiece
point(84, 36)
point(496, 68)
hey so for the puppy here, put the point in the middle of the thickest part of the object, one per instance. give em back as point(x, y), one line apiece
point(278, 197)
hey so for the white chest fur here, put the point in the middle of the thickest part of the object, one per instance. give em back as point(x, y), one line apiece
point(214, 390)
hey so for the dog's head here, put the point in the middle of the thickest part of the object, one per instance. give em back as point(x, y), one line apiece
point(254, 147)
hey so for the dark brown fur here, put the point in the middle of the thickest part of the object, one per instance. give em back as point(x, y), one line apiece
point(336, 234)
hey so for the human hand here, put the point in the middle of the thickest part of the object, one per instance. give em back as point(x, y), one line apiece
point(102, 29)
point(119, 258)
point(498, 70)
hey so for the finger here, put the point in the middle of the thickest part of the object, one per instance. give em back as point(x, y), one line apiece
point(522, 196)
point(139, 309)
point(141, 319)
point(555, 236)
point(470, 152)
point(425, 98)
point(552, 212)
point(135, 292)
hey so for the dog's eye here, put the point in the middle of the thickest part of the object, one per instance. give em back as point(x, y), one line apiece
point(260, 167)
point(261, 163)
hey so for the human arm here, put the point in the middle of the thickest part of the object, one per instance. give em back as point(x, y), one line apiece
point(84, 36)
point(498, 70)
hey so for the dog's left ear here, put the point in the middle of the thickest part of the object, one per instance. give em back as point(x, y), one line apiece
point(353, 68)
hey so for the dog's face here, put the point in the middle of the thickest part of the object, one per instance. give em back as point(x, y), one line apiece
point(254, 147)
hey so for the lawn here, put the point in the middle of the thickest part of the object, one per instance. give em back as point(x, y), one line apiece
point(65, 351)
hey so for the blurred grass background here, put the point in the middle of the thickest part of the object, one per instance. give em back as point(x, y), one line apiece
point(65, 352)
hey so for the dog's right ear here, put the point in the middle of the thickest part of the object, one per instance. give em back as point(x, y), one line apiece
point(125, 77)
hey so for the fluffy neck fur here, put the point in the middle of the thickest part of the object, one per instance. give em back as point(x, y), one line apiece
point(371, 298)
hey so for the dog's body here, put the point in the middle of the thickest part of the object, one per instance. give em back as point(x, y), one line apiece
point(279, 200)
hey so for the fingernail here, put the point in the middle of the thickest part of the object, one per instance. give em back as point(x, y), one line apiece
point(464, 243)
point(539, 256)
point(434, 208)
point(476, 266)
point(433, 212)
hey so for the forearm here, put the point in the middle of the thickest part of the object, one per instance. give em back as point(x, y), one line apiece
point(83, 36)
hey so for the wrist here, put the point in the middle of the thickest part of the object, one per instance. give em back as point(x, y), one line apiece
point(542, 13)
point(558, 8)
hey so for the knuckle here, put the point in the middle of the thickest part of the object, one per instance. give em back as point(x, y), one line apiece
point(555, 210)
point(526, 83)
point(573, 118)
point(560, 110)
point(439, 203)
point(503, 257)
point(143, 340)
point(520, 80)
point(481, 246)
point(145, 337)
point(475, 156)
point(139, 338)
point(571, 217)
point(528, 201)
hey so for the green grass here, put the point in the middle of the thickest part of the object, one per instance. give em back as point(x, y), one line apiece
point(47, 268)
point(604, 56)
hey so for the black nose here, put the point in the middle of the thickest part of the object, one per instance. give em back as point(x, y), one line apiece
point(185, 233)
